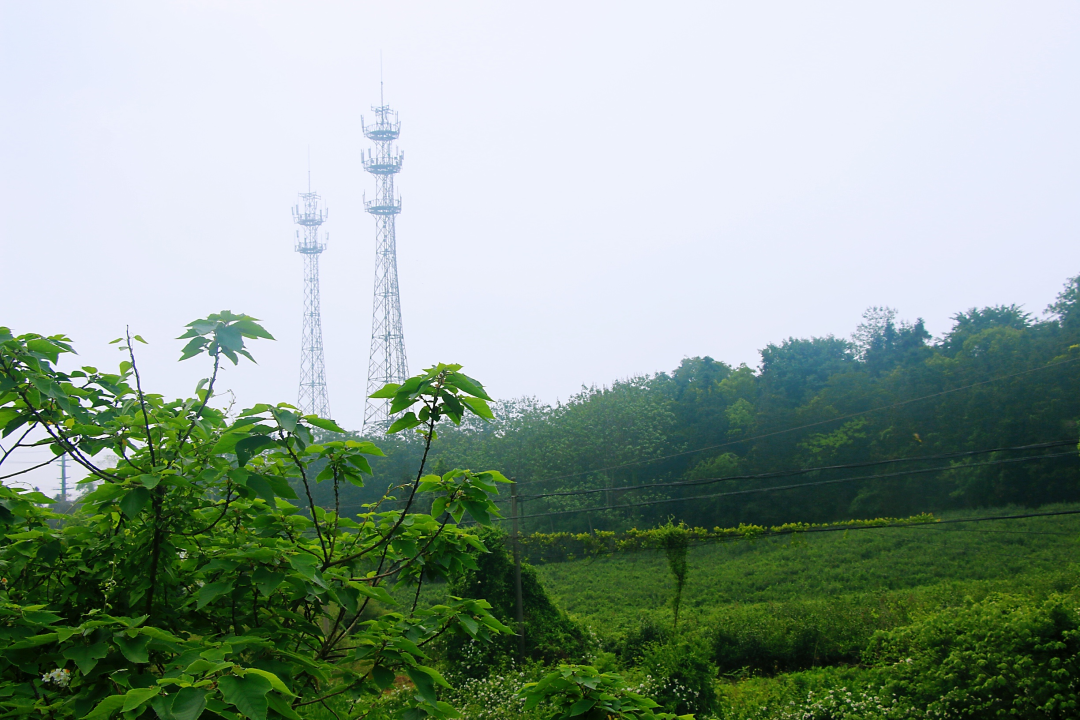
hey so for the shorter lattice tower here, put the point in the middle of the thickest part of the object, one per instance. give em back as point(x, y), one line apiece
point(310, 216)
point(386, 362)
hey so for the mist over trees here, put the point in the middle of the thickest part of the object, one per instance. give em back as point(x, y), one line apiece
point(1000, 378)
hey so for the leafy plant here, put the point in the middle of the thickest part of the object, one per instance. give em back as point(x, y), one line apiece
point(675, 539)
point(1005, 656)
point(193, 580)
point(581, 691)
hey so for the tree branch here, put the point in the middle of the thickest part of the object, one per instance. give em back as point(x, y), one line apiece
point(142, 399)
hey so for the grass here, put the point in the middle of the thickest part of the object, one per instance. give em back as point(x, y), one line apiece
point(614, 590)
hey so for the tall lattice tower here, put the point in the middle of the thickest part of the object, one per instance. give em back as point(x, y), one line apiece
point(387, 362)
point(309, 216)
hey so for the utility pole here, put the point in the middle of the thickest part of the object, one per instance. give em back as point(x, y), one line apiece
point(519, 609)
point(63, 478)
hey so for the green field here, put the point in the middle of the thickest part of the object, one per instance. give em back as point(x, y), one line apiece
point(1006, 554)
point(797, 626)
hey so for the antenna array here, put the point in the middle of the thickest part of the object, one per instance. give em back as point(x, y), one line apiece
point(310, 216)
point(386, 362)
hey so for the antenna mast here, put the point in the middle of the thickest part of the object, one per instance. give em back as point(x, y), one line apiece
point(309, 215)
point(387, 362)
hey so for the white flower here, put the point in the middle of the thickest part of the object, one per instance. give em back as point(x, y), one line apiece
point(61, 677)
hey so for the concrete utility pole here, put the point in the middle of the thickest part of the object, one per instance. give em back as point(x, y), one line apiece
point(63, 478)
point(519, 609)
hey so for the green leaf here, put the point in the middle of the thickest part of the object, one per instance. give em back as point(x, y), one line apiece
point(388, 391)
point(33, 641)
point(135, 501)
point(406, 421)
point(425, 684)
point(250, 446)
point(383, 677)
point(479, 407)
point(188, 704)
point(581, 706)
point(478, 510)
point(278, 705)
point(247, 693)
point(134, 649)
point(275, 681)
point(106, 708)
point(137, 696)
point(193, 348)
point(324, 423)
point(280, 486)
point(251, 329)
point(87, 656)
point(261, 488)
point(208, 592)
point(266, 580)
point(466, 383)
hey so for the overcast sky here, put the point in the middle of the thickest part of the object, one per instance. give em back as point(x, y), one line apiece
point(591, 190)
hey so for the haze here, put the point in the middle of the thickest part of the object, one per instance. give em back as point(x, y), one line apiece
point(591, 190)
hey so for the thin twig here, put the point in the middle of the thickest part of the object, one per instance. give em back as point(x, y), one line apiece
point(142, 399)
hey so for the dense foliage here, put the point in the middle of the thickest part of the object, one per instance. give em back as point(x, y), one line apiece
point(550, 636)
point(1000, 378)
point(188, 581)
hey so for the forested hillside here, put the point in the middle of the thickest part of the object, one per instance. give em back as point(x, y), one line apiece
point(1001, 378)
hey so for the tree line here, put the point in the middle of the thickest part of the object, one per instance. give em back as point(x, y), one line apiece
point(999, 378)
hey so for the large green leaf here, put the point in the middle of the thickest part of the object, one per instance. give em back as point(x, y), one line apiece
point(261, 488)
point(250, 446)
point(106, 708)
point(135, 500)
point(138, 696)
point(425, 684)
point(247, 693)
point(188, 704)
point(210, 591)
point(87, 656)
point(134, 649)
point(266, 580)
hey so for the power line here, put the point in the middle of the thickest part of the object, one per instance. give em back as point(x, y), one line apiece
point(800, 471)
point(798, 485)
point(803, 427)
point(788, 473)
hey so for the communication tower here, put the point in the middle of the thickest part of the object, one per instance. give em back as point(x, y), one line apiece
point(386, 362)
point(309, 216)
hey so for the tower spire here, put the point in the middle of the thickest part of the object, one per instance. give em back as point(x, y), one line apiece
point(309, 215)
point(386, 362)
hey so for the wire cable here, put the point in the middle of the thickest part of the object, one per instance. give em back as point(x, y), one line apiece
point(804, 427)
point(798, 485)
point(786, 473)
point(800, 471)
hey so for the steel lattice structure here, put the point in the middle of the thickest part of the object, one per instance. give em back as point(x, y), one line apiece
point(386, 362)
point(309, 215)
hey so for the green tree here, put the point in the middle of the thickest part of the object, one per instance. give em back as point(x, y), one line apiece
point(194, 580)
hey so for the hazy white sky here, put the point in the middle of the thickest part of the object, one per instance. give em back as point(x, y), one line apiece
point(591, 190)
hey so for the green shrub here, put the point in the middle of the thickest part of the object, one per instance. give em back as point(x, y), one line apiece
point(681, 673)
point(791, 636)
point(550, 636)
point(1003, 657)
point(629, 645)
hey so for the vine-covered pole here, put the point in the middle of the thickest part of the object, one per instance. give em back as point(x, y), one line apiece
point(519, 610)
